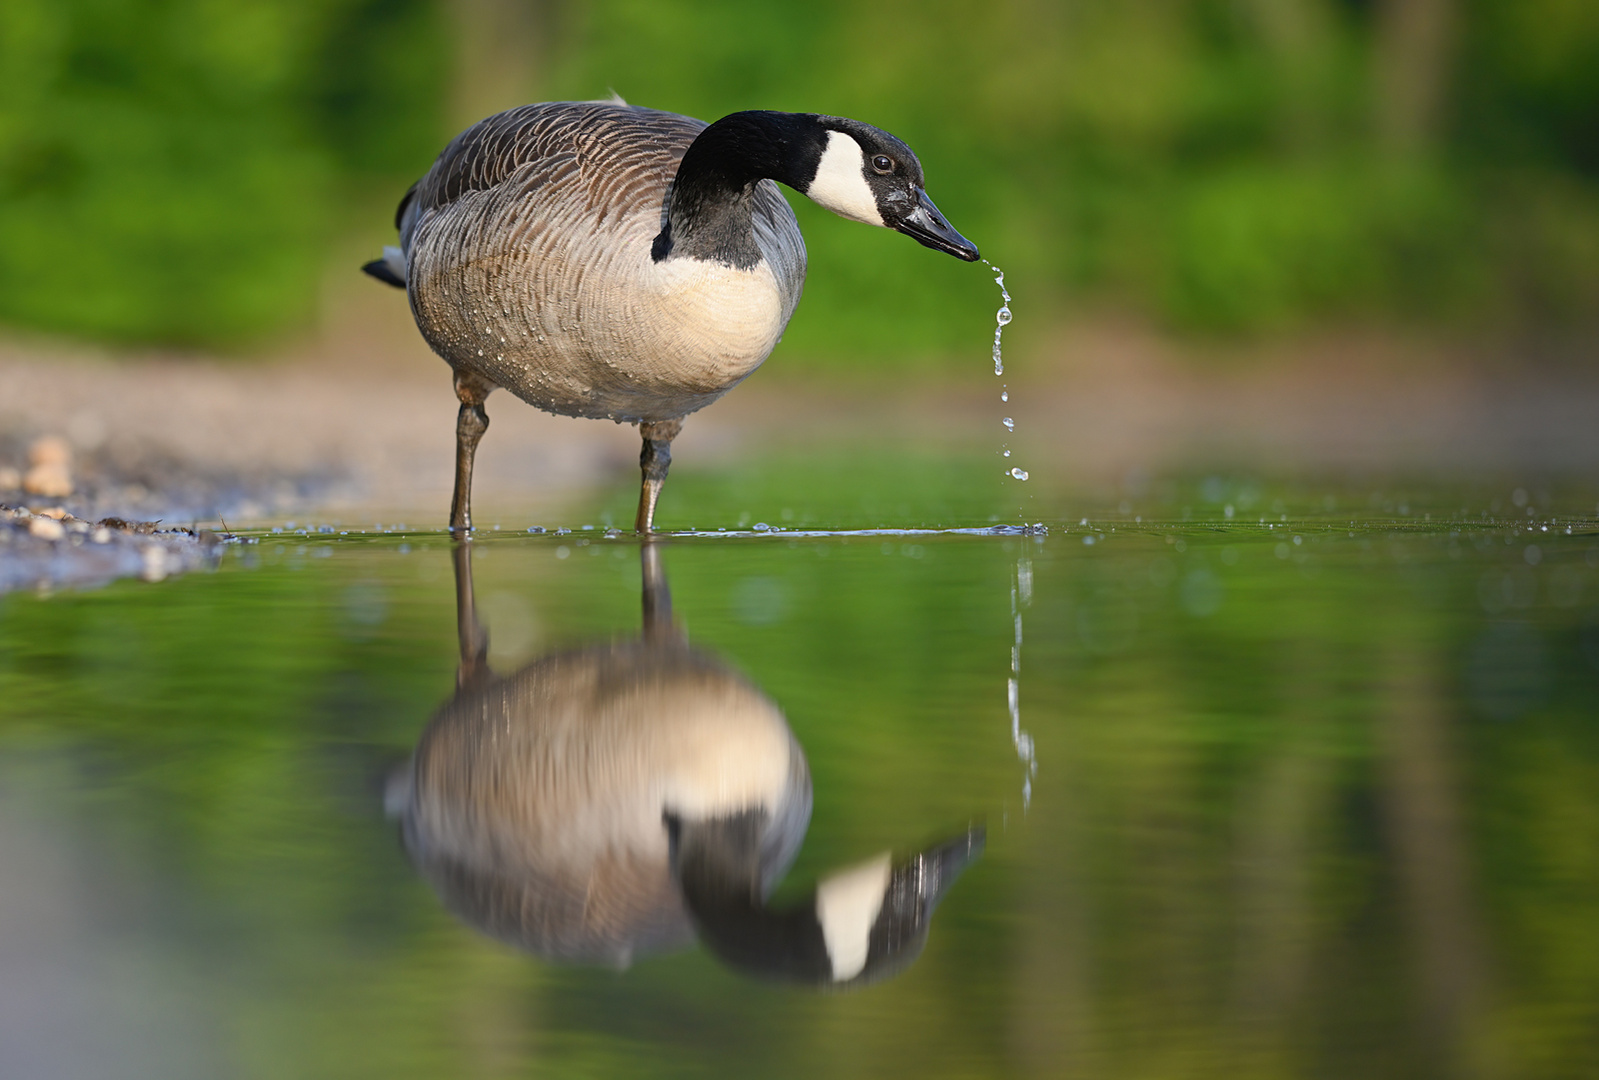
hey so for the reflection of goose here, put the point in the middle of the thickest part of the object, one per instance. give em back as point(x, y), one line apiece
point(603, 803)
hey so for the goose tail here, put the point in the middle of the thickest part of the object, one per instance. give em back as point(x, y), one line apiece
point(390, 268)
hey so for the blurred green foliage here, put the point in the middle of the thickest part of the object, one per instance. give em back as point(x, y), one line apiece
point(171, 172)
point(183, 171)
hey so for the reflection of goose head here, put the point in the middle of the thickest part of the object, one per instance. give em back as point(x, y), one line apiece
point(536, 804)
point(861, 924)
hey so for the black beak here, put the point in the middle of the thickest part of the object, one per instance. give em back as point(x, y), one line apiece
point(927, 226)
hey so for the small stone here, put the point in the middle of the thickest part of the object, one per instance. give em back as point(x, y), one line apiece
point(155, 563)
point(50, 450)
point(57, 512)
point(51, 481)
point(102, 535)
point(46, 528)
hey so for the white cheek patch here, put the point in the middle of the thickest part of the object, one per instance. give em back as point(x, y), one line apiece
point(847, 904)
point(840, 183)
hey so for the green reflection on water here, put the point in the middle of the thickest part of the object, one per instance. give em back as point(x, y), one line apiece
point(1315, 807)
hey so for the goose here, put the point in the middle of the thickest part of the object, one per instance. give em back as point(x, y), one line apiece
point(620, 799)
point(603, 260)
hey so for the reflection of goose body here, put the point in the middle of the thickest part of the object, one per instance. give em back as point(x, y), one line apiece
point(604, 803)
point(538, 801)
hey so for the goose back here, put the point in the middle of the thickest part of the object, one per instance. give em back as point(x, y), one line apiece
point(528, 259)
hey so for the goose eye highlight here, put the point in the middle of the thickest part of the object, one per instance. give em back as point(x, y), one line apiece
point(883, 163)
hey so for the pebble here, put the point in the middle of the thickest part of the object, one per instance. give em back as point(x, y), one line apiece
point(50, 450)
point(155, 563)
point(50, 468)
point(48, 546)
point(51, 481)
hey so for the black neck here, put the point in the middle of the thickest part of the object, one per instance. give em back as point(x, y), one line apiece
point(709, 213)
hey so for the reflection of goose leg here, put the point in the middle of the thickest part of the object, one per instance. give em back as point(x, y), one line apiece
point(657, 595)
point(862, 924)
point(474, 639)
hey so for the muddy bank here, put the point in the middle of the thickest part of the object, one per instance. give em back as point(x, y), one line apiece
point(196, 442)
point(358, 427)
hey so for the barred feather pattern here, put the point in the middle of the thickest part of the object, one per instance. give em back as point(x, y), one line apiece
point(528, 253)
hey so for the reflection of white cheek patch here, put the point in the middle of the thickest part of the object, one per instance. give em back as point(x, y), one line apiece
point(840, 183)
point(847, 906)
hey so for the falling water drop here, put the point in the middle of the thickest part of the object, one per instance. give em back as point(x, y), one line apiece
point(1001, 318)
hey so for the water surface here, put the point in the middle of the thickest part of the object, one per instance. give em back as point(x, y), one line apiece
point(1302, 779)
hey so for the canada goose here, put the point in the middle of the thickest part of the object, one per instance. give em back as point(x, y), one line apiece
point(608, 802)
point(603, 260)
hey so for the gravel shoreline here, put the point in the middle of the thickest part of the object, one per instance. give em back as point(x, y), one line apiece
point(54, 548)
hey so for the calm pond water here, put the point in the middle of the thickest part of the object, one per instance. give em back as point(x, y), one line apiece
point(1223, 778)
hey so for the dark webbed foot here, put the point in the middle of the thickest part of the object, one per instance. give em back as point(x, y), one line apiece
point(654, 460)
point(470, 424)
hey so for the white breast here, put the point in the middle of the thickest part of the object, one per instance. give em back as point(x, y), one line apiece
point(711, 324)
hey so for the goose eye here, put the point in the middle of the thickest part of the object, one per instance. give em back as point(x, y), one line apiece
point(883, 163)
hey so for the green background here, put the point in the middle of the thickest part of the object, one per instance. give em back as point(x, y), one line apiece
point(190, 172)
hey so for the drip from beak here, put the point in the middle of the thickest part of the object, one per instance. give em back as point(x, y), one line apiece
point(927, 226)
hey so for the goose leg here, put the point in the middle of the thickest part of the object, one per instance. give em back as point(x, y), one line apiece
point(653, 461)
point(470, 424)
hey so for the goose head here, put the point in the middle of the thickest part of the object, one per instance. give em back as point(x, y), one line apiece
point(859, 172)
point(865, 174)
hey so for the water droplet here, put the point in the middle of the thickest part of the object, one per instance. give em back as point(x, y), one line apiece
point(1020, 474)
point(1001, 318)
point(1007, 453)
point(1010, 425)
point(1004, 395)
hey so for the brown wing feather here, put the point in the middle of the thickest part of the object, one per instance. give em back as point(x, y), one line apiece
point(619, 151)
